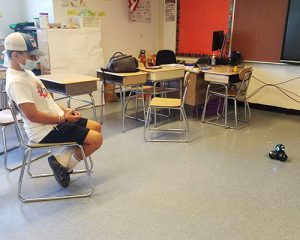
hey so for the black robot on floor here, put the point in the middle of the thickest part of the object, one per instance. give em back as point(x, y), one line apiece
point(279, 153)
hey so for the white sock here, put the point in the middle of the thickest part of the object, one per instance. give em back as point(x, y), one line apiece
point(73, 162)
point(64, 157)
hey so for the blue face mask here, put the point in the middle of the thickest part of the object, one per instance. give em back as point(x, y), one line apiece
point(29, 64)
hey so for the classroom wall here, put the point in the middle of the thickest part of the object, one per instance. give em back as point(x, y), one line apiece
point(118, 34)
point(167, 30)
point(21, 11)
point(33, 8)
point(275, 74)
point(10, 13)
point(269, 73)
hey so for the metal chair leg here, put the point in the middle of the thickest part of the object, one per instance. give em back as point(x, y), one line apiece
point(148, 129)
point(147, 123)
point(91, 165)
point(143, 102)
point(185, 122)
point(226, 106)
point(205, 103)
point(93, 106)
point(218, 109)
point(249, 111)
point(6, 150)
point(245, 111)
point(235, 113)
point(27, 155)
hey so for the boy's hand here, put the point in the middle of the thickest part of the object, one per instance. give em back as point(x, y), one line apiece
point(72, 116)
point(77, 113)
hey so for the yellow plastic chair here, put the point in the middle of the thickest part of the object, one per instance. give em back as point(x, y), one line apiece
point(167, 103)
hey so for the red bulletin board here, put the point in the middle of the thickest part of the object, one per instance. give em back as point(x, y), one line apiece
point(197, 19)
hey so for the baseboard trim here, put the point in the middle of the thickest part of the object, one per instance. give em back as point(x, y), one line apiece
point(274, 109)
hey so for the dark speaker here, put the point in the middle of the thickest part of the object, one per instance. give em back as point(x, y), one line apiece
point(235, 58)
point(221, 61)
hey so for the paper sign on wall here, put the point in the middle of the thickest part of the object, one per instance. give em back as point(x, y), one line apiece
point(170, 10)
point(142, 12)
point(73, 3)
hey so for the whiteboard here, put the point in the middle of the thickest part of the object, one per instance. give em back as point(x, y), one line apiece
point(72, 50)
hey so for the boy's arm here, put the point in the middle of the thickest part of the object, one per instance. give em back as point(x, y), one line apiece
point(31, 112)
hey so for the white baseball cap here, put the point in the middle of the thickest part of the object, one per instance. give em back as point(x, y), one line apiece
point(22, 42)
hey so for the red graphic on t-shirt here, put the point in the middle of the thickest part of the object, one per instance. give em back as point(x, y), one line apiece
point(42, 91)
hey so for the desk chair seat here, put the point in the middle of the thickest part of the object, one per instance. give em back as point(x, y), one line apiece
point(235, 91)
point(168, 103)
point(165, 102)
point(32, 144)
point(6, 119)
point(27, 159)
point(149, 93)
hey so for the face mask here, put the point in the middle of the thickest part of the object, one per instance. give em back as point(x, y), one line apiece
point(29, 64)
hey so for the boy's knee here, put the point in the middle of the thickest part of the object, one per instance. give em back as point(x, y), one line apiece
point(100, 140)
point(97, 139)
point(93, 125)
point(98, 127)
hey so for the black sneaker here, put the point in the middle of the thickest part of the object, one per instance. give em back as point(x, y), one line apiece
point(60, 173)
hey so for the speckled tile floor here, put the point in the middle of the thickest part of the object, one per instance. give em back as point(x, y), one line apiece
point(220, 186)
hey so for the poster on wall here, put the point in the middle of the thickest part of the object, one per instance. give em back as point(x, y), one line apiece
point(170, 10)
point(82, 8)
point(139, 11)
point(73, 3)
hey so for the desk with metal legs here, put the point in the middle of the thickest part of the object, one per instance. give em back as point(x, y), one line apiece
point(124, 81)
point(165, 74)
point(70, 85)
point(222, 75)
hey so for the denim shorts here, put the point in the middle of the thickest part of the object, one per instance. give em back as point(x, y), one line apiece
point(68, 132)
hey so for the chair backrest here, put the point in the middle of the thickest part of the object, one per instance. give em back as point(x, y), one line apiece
point(14, 112)
point(186, 82)
point(6, 117)
point(3, 95)
point(165, 57)
point(244, 76)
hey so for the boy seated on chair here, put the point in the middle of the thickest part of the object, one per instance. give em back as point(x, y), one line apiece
point(44, 120)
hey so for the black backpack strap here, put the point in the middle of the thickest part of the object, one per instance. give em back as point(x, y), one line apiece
point(117, 53)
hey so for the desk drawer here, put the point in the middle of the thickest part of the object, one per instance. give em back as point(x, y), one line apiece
point(81, 88)
point(71, 89)
point(211, 77)
point(134, 80)
point(165, 75)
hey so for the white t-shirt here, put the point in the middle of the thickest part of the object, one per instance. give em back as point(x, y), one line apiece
point(25, 87)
